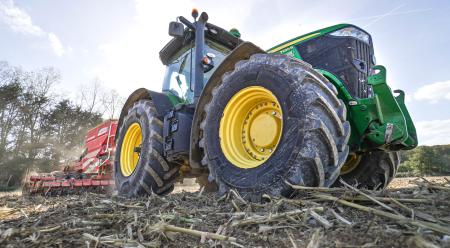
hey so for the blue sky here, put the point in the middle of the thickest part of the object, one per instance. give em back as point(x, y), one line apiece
point(118, 41)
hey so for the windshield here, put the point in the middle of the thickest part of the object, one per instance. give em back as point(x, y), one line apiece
point(178, 74)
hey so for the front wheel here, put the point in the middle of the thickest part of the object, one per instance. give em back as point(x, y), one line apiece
point(139, 166)
point(372, 170)
point(272, 122)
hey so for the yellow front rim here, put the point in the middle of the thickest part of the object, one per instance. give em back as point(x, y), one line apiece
point(130, 150)
point(251, 127)
point(351, 163)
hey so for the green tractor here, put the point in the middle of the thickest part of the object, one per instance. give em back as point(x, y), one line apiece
point(306, 112)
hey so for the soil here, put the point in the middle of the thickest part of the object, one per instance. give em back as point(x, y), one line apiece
point(419, 216)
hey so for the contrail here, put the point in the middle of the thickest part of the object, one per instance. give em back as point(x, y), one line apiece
point(392, 14)
point(384, 15)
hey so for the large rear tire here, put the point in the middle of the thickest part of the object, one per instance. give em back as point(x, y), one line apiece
point(139, 166)
point(294, 128)
point(372, 170)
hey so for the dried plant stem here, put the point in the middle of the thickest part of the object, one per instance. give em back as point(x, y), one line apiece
point(200, 234)
point(400, 218)
point(272, 217)
point(321, 189)
point(402, 206)
point(368, 196)
point(388, 199)
point(324, 222)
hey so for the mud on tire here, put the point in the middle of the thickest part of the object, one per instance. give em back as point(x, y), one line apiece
point(313, 144)
point(374, 171)
point(153, 173)
point(204, 182)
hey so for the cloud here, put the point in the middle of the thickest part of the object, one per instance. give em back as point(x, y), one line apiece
point(19, 21)
point(56, 44)
point(131, 60)
point(434, 92)
point(435, 132)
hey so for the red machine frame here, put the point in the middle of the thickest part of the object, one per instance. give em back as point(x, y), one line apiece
point(93, 171)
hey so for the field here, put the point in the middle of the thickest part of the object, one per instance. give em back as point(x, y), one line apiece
point(412, 212)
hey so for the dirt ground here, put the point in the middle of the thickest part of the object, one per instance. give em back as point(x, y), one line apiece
point(412, 212)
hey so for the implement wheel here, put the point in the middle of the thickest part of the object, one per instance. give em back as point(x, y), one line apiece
point(139, 166)
point(372, 170)
point(274, 120)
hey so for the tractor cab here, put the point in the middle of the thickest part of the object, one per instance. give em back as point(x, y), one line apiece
point(179, 56)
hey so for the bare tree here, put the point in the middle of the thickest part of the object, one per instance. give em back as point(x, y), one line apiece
point(10, 90)
point(91, 96)
point(112, 103)
point(38, 129)
point(35, 103)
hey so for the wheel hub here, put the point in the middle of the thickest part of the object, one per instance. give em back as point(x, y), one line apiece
point(251, 127)
point(351, 163)
point(130, 149)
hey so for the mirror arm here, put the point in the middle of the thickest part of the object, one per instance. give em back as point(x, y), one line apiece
point(186, 22)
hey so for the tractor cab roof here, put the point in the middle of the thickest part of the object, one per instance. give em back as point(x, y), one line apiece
point(212, 32)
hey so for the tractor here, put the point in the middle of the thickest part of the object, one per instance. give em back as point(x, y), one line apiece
point(309, 111)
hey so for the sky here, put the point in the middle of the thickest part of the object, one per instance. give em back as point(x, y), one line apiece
point(118, 42)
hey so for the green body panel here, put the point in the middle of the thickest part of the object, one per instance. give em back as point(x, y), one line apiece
point(370, 117)
point(378, 122)
point(284, 47)
point(175, 100)
point(381, 121)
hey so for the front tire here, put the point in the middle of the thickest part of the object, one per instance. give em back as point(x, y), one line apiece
point(139, 166)
point(372, 170)
point(300, 135)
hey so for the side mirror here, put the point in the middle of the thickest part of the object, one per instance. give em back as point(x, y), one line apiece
point(176, 29)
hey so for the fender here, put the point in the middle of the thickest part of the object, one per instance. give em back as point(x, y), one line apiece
point(242, 52)
point(161, 102)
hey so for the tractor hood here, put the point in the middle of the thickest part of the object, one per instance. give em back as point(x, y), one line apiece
point(315, 34)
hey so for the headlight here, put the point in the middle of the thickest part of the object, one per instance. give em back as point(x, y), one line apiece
point(353, 32)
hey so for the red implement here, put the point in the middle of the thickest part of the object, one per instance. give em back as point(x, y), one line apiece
point(92, 171)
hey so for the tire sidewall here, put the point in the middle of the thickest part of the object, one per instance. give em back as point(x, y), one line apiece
point(124, 184)
point(374, 165)
point(274, 170)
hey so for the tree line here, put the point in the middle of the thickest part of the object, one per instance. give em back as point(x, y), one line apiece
point(39, 129)
point(425, 161)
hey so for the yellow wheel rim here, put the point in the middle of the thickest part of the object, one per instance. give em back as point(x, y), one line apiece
point(351, 163)
point(251, 127)
point(130, 150)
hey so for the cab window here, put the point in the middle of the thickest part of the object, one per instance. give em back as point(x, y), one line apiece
point(178, 78)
